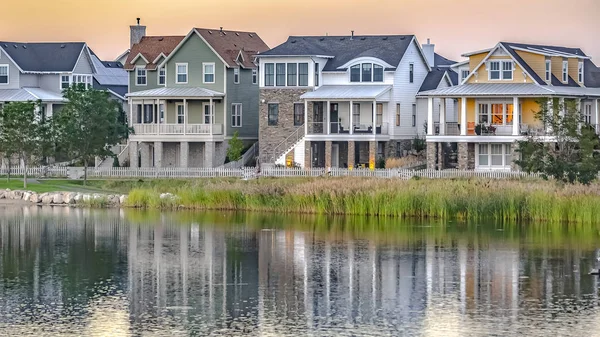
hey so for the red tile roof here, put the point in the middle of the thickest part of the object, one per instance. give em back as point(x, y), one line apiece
point(151, 47)
point(229, 43)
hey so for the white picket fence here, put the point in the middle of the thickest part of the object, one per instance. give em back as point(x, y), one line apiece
point(252, 172)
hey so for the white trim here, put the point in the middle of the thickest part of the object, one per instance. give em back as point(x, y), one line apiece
point(89, 53)
point(177, 105)
point(478, 52)
point(137, 57)
point(122, 55)
point(462, 79)
point(159, 56)
point(7, 74)
point(185, 40)
point(187, 75)
point(365, 59)
point(565, 71)
point(158, 76)
point(145, 76)
point(254, 76)
point(78, 58)
point(11, 59)
point(116, 95)
point(236, 70)
point(500, 70)
point(560, 53)
point(415, 41)
point(214, 72)
point(499, 45)
point(580, 72)
point(372, 81)
point(459, 64)
point(548, 71)
point(489, 166)
point(240, 112)
point(60, 81)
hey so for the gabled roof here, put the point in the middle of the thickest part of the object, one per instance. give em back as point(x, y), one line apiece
point(433, 79)
point(228, 44)
point(150, 47)
point(550, 50)
point(591, 74)
point(342, 49)
point(522, 63)
point(440, 61)
point(453, 77)
point(45, 56)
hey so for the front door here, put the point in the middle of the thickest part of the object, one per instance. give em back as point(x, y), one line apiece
point(333, 118)
point(207, 114)
point(335, 155)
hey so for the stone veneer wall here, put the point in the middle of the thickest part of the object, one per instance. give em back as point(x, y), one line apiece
point(466, 156)
point(431, 155)
point(271, 136)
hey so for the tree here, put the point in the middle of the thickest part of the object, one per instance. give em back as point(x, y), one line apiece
point(89, 124)
point(236, 146)
point(571, 154)
point(24, 132)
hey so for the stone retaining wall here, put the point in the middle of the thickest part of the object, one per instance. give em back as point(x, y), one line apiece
point(63, 198)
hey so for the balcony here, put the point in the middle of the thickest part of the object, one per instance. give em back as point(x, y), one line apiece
point(337, 128)
point(178, 129)
point(453, 129)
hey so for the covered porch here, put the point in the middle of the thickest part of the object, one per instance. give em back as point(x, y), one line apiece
point(347, 110)
point(177, 111)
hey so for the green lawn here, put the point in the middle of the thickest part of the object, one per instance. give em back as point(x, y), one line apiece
point(52, 185)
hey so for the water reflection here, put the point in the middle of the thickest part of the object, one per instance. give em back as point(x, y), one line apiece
point(85, 272)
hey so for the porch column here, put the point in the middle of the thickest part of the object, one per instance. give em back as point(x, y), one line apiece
point(49, 109)
point(184, 152)
point(561, 103)
point(156, 118)
point(463, 116)
point(351, 154)
point(430, 116)
point(596, 122)
point(351, 127)
point(328, 117)
point(158, 154)
point(130, 122)
point(374, 117)
point(328, 146)
point(442, 116)
point(372, 154)
point(185, 118)
point(133, 154)
point(516, 117)
point(305, 117)
point(211, 118)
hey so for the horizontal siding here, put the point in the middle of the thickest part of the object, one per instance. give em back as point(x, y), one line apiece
point(151, 78)
point(557, 67)
point(482, 74)
point(535, 61)
point(50, 82)
point(84, 66)
point(13, 72)
point(475, 60)
point(247, 94)
point(574, 69)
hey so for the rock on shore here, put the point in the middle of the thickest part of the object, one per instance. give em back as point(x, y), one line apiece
point(64, 198)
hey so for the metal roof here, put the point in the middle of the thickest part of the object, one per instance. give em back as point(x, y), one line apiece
point(176, 92)
point(347, 92)
point(29, 94)
point(509, 89)
point(109, 73)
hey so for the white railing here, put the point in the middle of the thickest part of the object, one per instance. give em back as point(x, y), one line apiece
point(177, 129)
point(245, 172)
point(287, 143)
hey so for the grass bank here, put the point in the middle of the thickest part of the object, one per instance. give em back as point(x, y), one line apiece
point(462, 199)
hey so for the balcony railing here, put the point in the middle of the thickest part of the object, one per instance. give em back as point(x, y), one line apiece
point(178, 129)
point(453, 129)
point(336, 128)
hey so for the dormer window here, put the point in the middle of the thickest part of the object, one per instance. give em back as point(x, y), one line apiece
point(162, 75)
point(366, 72)
point(548, 70)
point(580, 72)
point(140, 76)
point(501, 70)
point(565, 71)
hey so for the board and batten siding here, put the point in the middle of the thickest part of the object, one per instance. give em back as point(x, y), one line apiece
point(151, 78)
point(195, 52)
point(404, 93)
point(13, 72)
point(247, 94)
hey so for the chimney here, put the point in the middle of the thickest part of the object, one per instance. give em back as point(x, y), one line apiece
point(428, 50)
point(352, 36)
point(136, 33)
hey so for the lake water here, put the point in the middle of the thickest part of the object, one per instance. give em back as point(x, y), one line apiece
point(115, 272)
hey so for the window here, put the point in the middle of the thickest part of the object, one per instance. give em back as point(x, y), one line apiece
point(303, 74)
point(209, 72)
point(494, 70)
point(140, 77)
point(496, 158)
point(414, 115)
point(507, 155)
point(565, 71)
point(4, 74)
point(587, 115)
point(411, 73)
point(138, 110)
point(580, 72)
point(548, 70)
point(148, 113)
point(508, 118)
point(367, 72)
point(377, 73)
point(209, 113)
point(356, 113)
point(236, 115)
point(379, 114)
point(65, 80)
point(497, 113)
point(161, 113)
point(507, 70)
point(463, 75)
point(269, 74)
point(182, 73)
point(355, 73)
point(398, 114)
point(86, 80)
point(162, 75)
point(254, 76)
point(316, 74)
point(273, 113)
point(180, 113)
point(298, 114)
point(292, 74)
point(236, 75)
point(280, 74)
point(484, 117)
point(483, 155)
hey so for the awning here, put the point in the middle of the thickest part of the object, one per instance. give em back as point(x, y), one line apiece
point(29, 94)
point(348, 92)
point(176, 93)
point(508, 89)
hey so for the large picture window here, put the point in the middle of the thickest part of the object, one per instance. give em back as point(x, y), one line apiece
point(366, 72)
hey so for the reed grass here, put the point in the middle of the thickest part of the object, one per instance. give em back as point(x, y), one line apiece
point(508, 201)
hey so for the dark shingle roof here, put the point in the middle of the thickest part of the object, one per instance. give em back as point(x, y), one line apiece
point(591, 76)
point(390, 48)
point(440, 61)
point(433, 79)
point(522, 62)
point(42, 57)
point(453, 77)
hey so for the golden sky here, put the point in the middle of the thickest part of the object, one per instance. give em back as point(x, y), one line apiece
point(455, 26)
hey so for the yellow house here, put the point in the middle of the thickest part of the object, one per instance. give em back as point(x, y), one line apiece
point(497, 103)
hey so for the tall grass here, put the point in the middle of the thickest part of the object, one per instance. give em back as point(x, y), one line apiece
point(508, 201)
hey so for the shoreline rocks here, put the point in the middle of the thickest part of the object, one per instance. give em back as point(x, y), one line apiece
point(65, 198)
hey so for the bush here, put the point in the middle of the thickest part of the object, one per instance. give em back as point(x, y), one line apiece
point(116, 161)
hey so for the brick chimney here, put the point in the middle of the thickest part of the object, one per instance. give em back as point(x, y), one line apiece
point(429, 51)
point(137, 33)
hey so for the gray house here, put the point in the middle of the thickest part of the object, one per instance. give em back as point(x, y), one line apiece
point(189, 95)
